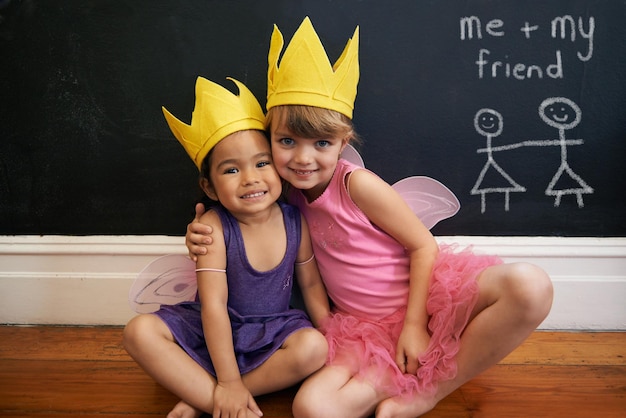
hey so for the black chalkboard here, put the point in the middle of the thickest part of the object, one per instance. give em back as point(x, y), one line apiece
point(85, 149)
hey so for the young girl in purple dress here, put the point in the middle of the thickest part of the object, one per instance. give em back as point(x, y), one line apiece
point(240, 338)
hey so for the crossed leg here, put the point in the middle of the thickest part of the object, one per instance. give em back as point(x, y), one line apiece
point(513, 300)
point(333, 392)
point(149, 341)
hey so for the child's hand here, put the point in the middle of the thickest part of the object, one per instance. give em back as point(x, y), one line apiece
point(412, 343)
point(198, 234)
point(234, 400)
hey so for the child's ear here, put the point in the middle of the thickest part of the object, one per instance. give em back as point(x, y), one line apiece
point(207, 188)
point(344, 144)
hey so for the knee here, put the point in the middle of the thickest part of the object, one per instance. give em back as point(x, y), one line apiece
point(137, 331)
point(530, 289)
point(312, 350)
point(300, 407)
point(309, 403)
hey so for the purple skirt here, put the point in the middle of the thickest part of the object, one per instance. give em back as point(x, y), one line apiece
point(255, 338)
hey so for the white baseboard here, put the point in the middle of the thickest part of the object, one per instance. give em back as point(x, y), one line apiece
point(85, 280)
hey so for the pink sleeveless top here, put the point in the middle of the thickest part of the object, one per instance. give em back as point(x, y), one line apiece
point(366, 271)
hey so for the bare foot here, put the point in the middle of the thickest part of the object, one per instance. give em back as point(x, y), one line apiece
point(397, 407)
point(184, 410)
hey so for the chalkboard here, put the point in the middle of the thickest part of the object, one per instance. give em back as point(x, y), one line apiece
point(466, 92)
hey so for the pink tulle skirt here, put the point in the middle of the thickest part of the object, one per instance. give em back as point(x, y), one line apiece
point(368, 348)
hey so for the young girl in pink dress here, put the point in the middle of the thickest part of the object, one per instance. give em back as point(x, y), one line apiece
point(412, 320)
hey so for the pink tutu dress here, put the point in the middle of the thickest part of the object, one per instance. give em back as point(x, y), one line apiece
point(366, 273)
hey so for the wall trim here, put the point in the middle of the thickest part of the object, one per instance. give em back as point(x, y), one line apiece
point(74, 280)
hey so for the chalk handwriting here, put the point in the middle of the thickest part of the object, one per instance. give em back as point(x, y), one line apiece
point(517, 70)
point(563, 28)
point(566, 22)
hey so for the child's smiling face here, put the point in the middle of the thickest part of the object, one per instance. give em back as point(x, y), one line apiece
point(307, 164)
point(243, 177)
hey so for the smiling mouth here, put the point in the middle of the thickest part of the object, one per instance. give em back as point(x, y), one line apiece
point(303, 172)
point(253, 195)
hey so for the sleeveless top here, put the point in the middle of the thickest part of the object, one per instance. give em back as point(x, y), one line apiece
point(258, 301)
point(366, 273)
point(365, 270)
point(259, 293)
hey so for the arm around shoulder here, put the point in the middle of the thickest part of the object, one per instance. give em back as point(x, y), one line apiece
point(198, 234)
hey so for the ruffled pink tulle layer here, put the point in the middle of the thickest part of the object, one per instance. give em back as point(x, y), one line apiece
point(368, 347)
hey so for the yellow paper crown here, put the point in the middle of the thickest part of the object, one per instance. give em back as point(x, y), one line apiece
point(306, 77)
point(217, 114)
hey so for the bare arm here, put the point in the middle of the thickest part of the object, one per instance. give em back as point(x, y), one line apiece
point(230, 397)
point(310, 281)
point(386, 209)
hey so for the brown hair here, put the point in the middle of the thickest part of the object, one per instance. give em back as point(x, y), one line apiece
point(313, 122)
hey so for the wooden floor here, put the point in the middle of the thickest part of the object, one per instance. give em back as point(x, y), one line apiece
point(66, 372)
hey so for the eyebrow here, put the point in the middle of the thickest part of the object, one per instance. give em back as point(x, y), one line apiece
point(283, 133)
point(258, 156)
point(291, 135)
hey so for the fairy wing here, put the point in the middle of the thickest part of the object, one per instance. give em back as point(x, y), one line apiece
point(350, 154)
point(167, 280)
point(430, 200)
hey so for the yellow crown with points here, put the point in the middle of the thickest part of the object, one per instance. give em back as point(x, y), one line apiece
point(305, 75)
point(217, 114)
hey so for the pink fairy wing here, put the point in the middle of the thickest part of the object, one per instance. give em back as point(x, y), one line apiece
point(167, 280)
point(350, 154)
point(430, 200)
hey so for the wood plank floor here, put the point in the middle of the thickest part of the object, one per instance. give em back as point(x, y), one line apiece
point(72, 371)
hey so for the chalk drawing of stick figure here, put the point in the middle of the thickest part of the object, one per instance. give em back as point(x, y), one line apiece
point(563, 114)
point(489, 123)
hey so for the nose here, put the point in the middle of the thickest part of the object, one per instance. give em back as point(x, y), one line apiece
point(250, 176)
point(303, 155)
